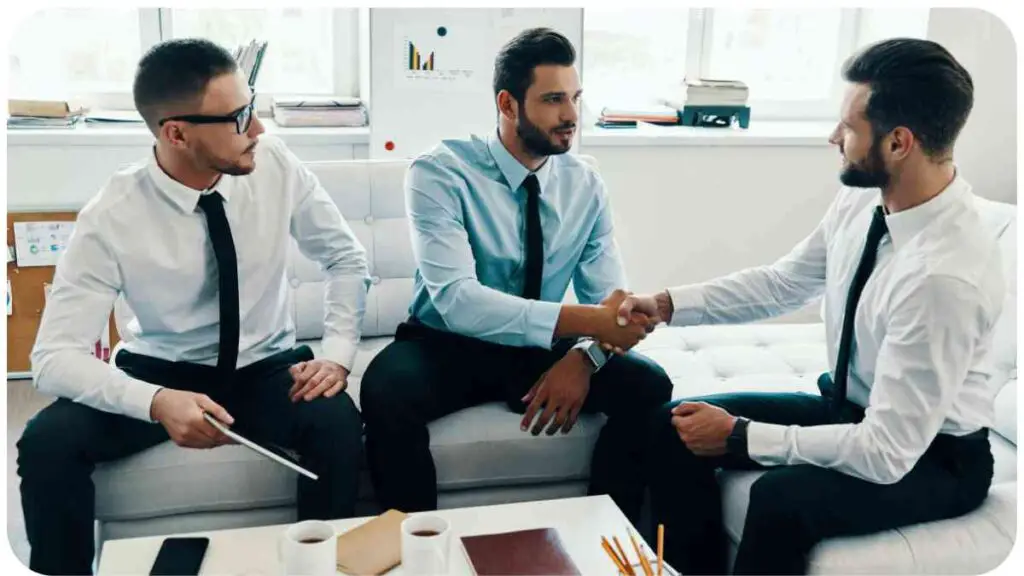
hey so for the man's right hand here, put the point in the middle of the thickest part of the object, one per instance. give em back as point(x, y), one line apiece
point(181, 414)
point(625, 332)
point(655, 306)
point(649, 310)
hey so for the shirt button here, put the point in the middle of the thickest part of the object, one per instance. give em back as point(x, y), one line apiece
point(375, 280)
point(368, 220)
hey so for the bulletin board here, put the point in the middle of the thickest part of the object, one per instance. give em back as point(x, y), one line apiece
point(432, 69)
point(28, 296)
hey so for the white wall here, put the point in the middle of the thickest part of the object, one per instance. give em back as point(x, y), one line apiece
point(684, 213)
point(987, 148)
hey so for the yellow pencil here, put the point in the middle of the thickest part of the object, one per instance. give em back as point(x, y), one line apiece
point(661, 546)
point(643, 558)
point(625, 557)
point(607, 548)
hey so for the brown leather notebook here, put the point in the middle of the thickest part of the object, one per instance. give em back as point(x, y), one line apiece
point(373, 547)
point(524, 552)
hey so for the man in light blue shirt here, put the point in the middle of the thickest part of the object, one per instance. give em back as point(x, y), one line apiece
point(500, 226)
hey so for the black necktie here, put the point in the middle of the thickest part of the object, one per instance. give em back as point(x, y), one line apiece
point(860, 278)
point(534, 240)
point(227, 268)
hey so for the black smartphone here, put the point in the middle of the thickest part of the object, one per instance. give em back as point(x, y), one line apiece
point(181, 556)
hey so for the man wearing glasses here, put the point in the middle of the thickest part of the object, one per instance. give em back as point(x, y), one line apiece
point(195, 239)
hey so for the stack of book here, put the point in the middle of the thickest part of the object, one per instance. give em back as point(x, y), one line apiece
point(250, 59)
point(43, 114)
point(320, 111)
point(629, 117)
point(705, 92)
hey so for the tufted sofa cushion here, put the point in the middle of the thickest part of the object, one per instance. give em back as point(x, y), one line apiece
point(369, 195)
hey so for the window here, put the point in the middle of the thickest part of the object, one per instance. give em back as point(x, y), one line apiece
point(790, 58)
point(91, 54)
point(630, 52)
point(58, 52)
point(300, 50)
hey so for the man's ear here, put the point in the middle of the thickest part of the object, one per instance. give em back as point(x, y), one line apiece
point(507, 105)
point(901, 142)
point(173, 133)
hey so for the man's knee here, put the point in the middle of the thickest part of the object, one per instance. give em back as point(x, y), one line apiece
point(776, 500)
point(384, 394)
point(48, 443)
point(647, 378)
point(662, 435)
point(336, 417)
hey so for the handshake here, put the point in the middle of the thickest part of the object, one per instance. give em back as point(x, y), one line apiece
point(624, 319)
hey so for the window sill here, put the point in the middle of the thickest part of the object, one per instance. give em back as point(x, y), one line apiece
point(136, 135)
point(760, 133)
point(763, 133)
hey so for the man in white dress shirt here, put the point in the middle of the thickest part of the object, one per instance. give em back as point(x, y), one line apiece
point(196, 240)
point(913, 287)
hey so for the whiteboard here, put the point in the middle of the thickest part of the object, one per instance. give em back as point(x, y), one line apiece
point(431, 71)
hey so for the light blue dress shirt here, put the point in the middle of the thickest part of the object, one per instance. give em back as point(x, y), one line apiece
point(467, 209)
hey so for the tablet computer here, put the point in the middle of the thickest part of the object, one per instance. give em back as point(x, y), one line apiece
point(275, 453)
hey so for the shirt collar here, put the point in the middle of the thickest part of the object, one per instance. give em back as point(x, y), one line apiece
point(514, 172)
point(184, 197)
point(906, 224)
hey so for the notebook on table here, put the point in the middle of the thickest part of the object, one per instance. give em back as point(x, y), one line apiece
point(374, 547)
point(523, 552)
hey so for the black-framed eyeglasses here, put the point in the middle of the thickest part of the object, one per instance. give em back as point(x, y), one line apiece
point(241, 117)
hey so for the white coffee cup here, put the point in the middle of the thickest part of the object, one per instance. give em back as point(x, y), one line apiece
point(426, 540)
point(309, 548)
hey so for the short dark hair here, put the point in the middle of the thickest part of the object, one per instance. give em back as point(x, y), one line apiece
point(175, 72)
point(513, 67)
point(916, 84)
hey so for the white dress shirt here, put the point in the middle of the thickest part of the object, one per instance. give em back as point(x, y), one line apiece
point(922, 331)
point(144, 237)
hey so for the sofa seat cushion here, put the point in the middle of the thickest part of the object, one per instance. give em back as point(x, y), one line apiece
point(973, 544)
point(483, 446)
point(167, 480)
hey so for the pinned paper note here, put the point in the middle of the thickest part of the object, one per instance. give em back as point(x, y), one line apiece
point(41, 243)
point(10, 303)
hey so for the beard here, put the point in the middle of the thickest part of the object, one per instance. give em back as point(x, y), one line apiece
point(538, 142)
point(222, 166)
point(869, 172)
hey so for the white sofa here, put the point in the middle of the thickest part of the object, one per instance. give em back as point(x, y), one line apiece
point(482, 457)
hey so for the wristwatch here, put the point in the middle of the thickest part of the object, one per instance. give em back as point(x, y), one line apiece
point(736, 443)
point(593, 353)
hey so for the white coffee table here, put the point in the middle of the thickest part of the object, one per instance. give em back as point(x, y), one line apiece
point(580, 523)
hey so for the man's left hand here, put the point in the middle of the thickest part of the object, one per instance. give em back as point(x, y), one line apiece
point(561, 392)
point(704, 428)
point(317, 378)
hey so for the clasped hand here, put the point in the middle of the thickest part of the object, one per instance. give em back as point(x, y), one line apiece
point(629, 320)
